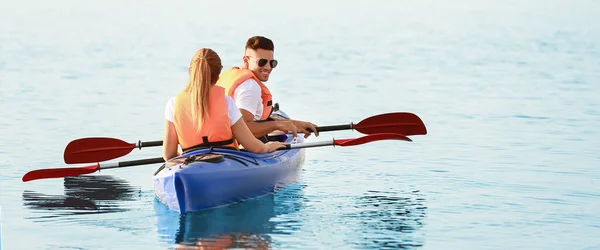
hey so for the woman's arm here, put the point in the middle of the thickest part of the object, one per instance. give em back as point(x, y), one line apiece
point(243, 135)
point(170, 141)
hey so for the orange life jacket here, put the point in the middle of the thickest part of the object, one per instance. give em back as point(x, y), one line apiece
point(215, 131)
point(232, 78)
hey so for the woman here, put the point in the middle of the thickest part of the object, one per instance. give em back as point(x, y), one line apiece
point(202, 116)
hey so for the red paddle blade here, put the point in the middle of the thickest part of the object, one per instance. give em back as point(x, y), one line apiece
point(399, 122)
point(370, 138)
point(59, 172)
point(96, 149)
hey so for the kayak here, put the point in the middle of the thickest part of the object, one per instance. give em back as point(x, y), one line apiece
point(208, 178)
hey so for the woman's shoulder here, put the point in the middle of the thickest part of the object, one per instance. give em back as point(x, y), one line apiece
point(171, 101)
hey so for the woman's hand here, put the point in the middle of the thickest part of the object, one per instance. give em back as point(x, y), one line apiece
point(273, 145)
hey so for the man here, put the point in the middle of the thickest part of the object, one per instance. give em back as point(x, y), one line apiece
point(246, 86)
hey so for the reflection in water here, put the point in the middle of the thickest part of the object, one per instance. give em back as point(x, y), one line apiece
point(241, 225)
point(390, 220)
point(83, 195)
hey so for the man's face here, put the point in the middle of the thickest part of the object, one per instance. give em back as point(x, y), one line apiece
point(260, 62)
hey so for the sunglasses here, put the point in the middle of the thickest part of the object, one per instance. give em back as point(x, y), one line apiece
point(262, 62)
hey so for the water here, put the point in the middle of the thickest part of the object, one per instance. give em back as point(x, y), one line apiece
point(508, 90)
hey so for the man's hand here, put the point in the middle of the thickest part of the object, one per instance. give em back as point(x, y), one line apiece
point(304, 126)
point(287, 126)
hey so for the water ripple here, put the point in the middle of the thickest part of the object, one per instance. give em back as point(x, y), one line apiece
point(389, 219)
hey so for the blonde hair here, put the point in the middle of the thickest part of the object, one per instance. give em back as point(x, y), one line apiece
point(204, 70)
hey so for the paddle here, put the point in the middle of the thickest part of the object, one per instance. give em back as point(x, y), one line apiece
point(65, 172)
point(74, 171)
point(399, 122)
point(96, 149)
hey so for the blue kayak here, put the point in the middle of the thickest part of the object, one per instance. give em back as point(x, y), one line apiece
point(208, 178)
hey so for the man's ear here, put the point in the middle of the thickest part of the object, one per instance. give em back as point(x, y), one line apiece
point(245, 60)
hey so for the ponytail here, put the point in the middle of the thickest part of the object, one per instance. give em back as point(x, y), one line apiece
point(204, 72)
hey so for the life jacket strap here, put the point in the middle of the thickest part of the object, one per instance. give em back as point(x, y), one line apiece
point(206, 144)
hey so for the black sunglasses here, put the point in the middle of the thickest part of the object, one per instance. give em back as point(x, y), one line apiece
point(262, 62)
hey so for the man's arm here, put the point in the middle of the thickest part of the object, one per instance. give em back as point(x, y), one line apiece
point(262, 128)
point(302, 126)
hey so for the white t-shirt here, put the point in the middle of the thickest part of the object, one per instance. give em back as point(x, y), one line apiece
point(247, 96)
point(232, 110)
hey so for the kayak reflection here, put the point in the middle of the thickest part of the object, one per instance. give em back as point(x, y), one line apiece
point(84, 195)
point(240, 225)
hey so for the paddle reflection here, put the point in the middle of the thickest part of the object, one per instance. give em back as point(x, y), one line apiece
point(242, 225)
point(391, 220)
point(84, 195)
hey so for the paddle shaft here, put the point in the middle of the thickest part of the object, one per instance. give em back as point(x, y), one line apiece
point(348, 142)
point(332, 128)
point(141, 144)
point(308, 145)
point(351, 126)
point(161, 160)
point(130, 163)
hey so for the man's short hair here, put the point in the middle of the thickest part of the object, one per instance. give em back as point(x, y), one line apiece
point(260, 42)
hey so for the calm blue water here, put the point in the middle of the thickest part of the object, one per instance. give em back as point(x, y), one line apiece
point(508, 90)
